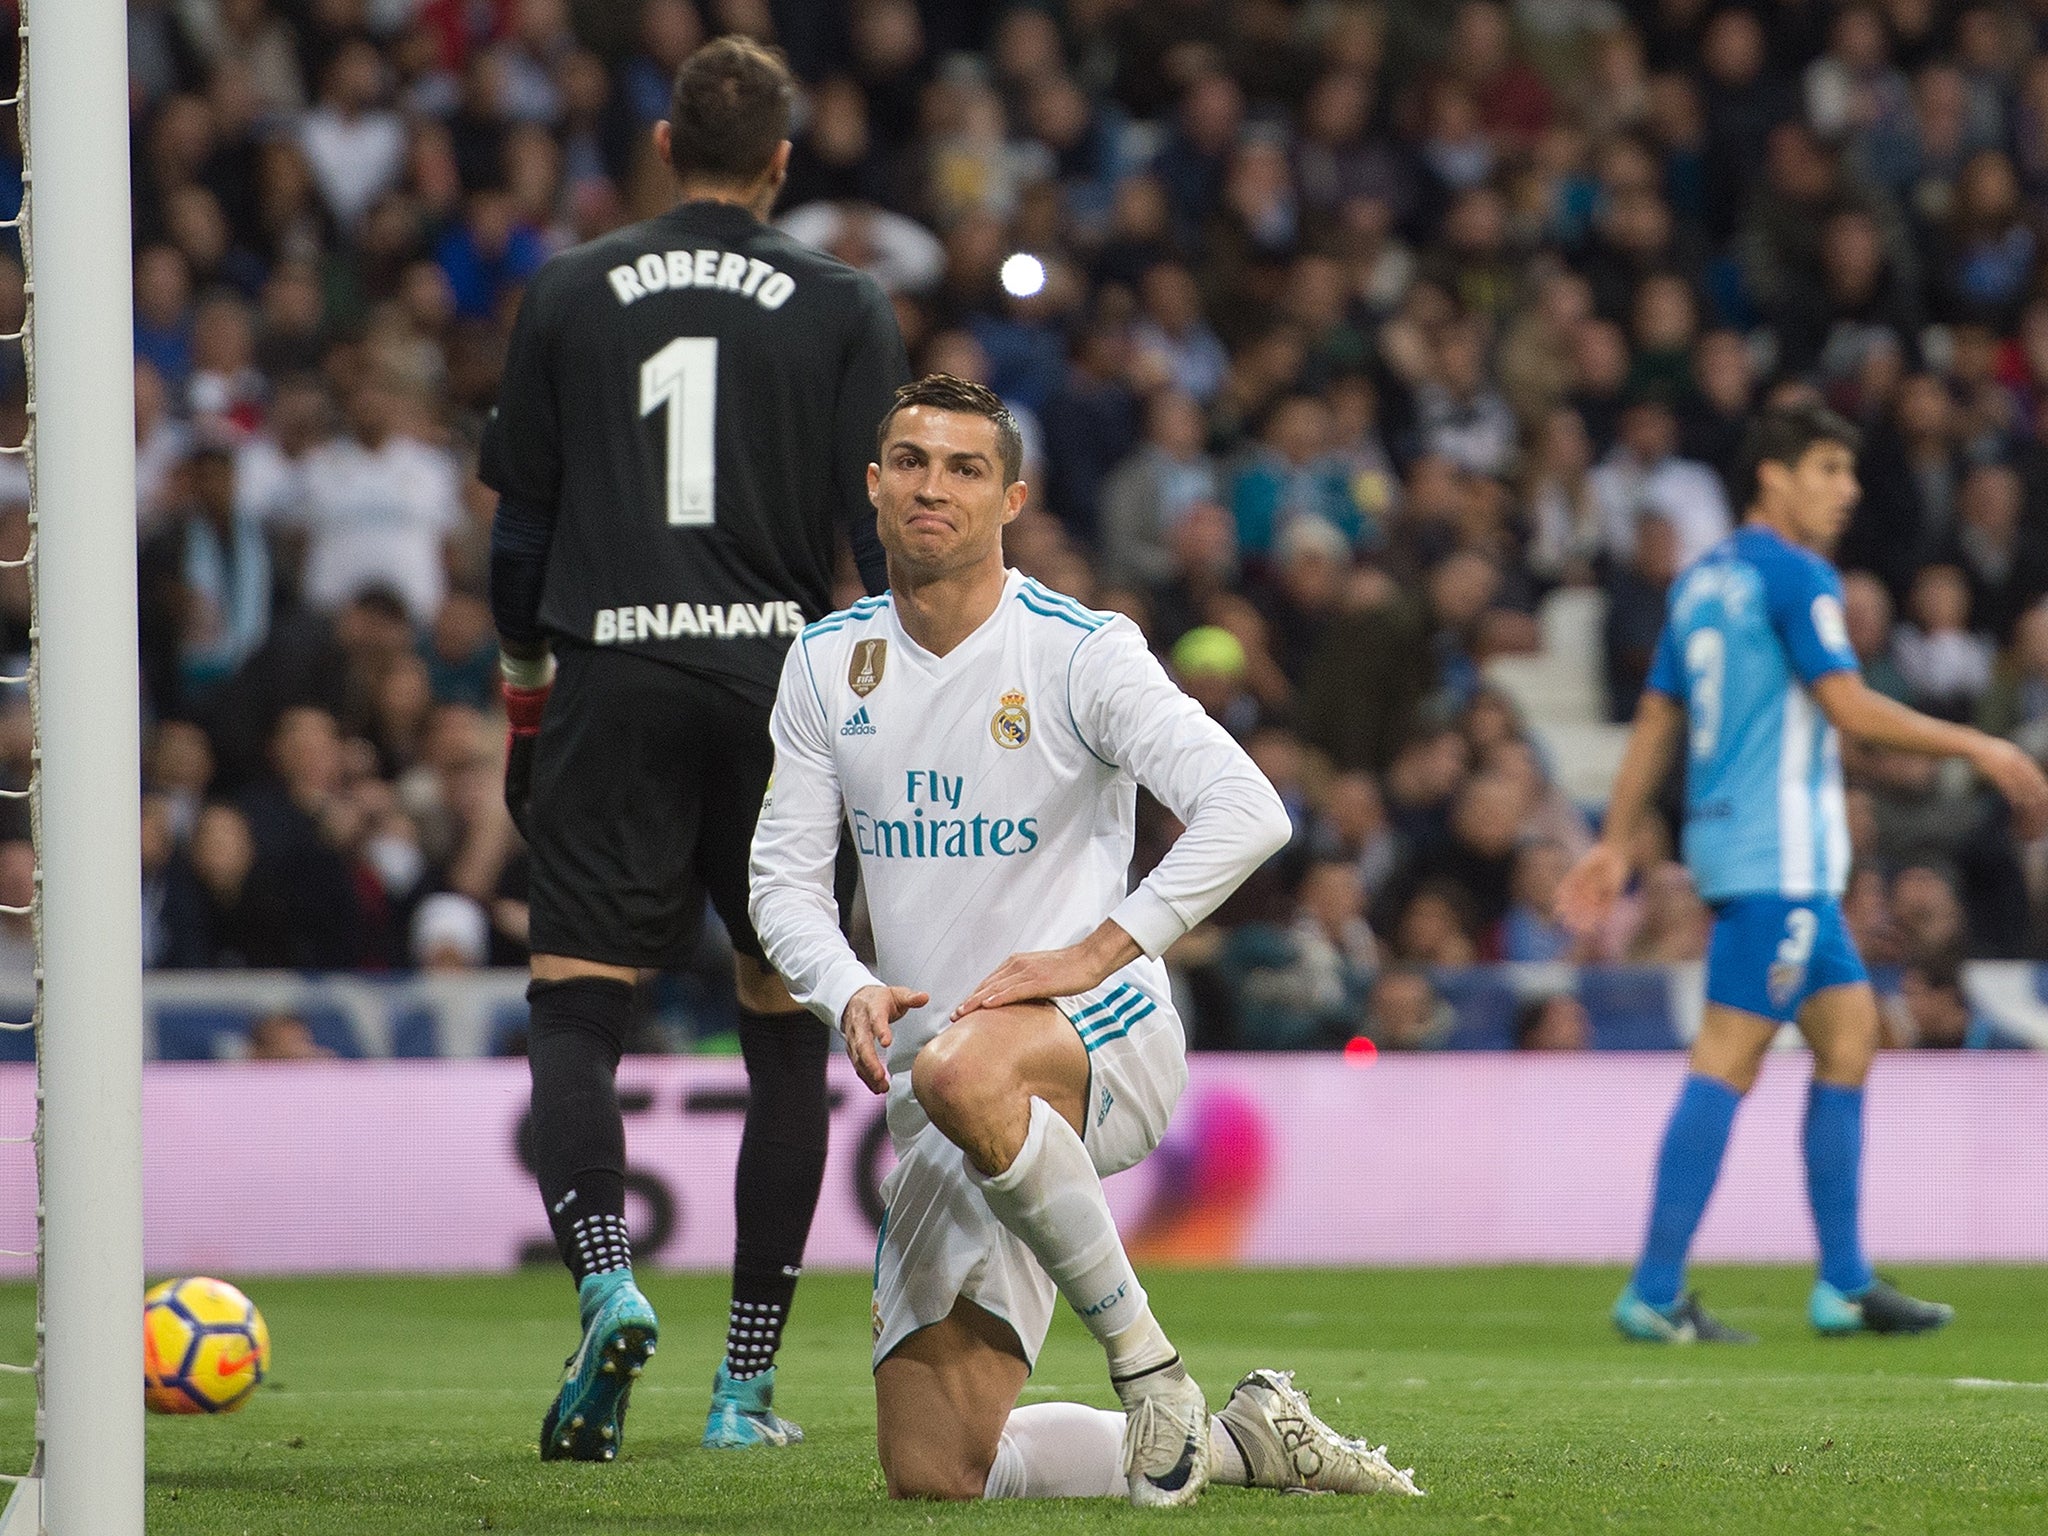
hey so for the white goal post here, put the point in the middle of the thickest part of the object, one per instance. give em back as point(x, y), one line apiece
point(85, 796)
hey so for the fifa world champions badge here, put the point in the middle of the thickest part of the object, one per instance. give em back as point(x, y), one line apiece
point(864, 671)
point(1011, 726)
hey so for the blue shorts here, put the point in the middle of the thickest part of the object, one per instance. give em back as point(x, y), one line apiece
point(1769, 954)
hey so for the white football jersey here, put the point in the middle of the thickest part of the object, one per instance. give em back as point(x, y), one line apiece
point(991, 793)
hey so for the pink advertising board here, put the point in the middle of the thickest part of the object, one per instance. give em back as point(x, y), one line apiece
point(278, 1168)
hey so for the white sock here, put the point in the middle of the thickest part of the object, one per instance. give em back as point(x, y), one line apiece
point(1227, 1465)
point(1051, 1198)
point(1059, 1451)
point(1070, 1451)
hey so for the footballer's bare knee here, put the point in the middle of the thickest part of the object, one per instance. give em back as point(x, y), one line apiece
point(1841, 1025)
point(1731, 1046)
point(934, 1477)
point(972, 1093)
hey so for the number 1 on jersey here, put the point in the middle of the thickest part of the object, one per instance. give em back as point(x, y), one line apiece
point(683, 376)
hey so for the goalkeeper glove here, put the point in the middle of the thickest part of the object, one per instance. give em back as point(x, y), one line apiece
point(526, 684)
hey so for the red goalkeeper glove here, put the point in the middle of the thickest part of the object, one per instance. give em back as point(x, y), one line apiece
point(526, 685)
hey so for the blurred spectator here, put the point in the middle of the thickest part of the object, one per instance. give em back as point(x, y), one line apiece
point(1926, 908)
point(163, 313)
point(1563, 514)
point(1947, 668)
point(1933, 1009)
point(219, 909)
point(1462, 417)
point(1636, 593)
point(378, 506)
point(285, 1037)
point(1866, 908)
point(1531, 930)
point(304, 832)
point(489, 254)
point(1404, 1013)
point(450, 932)
point(1438, 926)
point(1172, 336)
point(2017, 703)
point(1643, 474)
point(1203, 550)
point(2003, 561)
point(1091, 426)
point(1148, 494)
point(354, 144)
point(1353, 827)
point(1555, 1023)
point(204, 580)
point(1867, 611)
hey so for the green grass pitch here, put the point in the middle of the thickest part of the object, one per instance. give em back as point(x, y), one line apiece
point(402, 1406)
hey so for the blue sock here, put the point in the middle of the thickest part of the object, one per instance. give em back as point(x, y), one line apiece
point(1686, 1171)
point(1834, 1167)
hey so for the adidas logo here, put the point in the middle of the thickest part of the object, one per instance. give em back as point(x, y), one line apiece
point(859, 725)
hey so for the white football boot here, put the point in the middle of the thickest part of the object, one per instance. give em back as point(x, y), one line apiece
point(1286, 1446)
point(1166, 1443)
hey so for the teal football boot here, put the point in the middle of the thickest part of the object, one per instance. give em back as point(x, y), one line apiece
point(742, 1415)
point(1881, 1308)
point(1685, 1321)
point(588, 1419)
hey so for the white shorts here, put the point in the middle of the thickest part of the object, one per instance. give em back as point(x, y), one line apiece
point(940, 1241)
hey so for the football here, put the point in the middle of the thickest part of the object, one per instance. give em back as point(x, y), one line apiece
point(205, 1347)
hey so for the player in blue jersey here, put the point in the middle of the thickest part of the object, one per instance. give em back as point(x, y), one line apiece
point(1755, 676)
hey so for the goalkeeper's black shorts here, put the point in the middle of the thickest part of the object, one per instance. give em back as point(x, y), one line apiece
point(647, 781)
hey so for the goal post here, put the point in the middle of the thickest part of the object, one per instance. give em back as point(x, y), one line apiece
point(86, 798)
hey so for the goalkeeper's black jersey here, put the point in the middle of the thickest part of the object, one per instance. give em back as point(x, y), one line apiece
point(693, 402)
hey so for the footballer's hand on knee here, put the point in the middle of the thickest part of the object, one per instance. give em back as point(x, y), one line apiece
point(866, 1024)
point(1041, 974)
point(1030, 977)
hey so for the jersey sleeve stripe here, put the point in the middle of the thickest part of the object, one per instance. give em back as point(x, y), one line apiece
point(866, 608)
point(1060, 600)
point(803, 644)
point(1076, 724)
point(1055, 613)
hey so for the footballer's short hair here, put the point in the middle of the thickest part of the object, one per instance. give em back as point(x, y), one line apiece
point(944, 392)
point(732, 106)
point(1782, 435)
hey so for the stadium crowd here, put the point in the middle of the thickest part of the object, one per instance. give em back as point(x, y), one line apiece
point(1355, 331)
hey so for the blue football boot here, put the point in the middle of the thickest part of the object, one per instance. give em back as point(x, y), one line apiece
point(742, 1415)
point(588, 1419)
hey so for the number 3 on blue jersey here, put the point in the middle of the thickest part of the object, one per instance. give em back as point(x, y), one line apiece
point(1706, 666)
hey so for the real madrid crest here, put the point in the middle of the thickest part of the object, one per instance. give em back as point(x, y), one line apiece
point(1011, 726)
point(864, 671)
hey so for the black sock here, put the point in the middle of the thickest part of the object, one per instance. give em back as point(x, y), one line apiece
point(579, 1139)
point(782, 1165)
